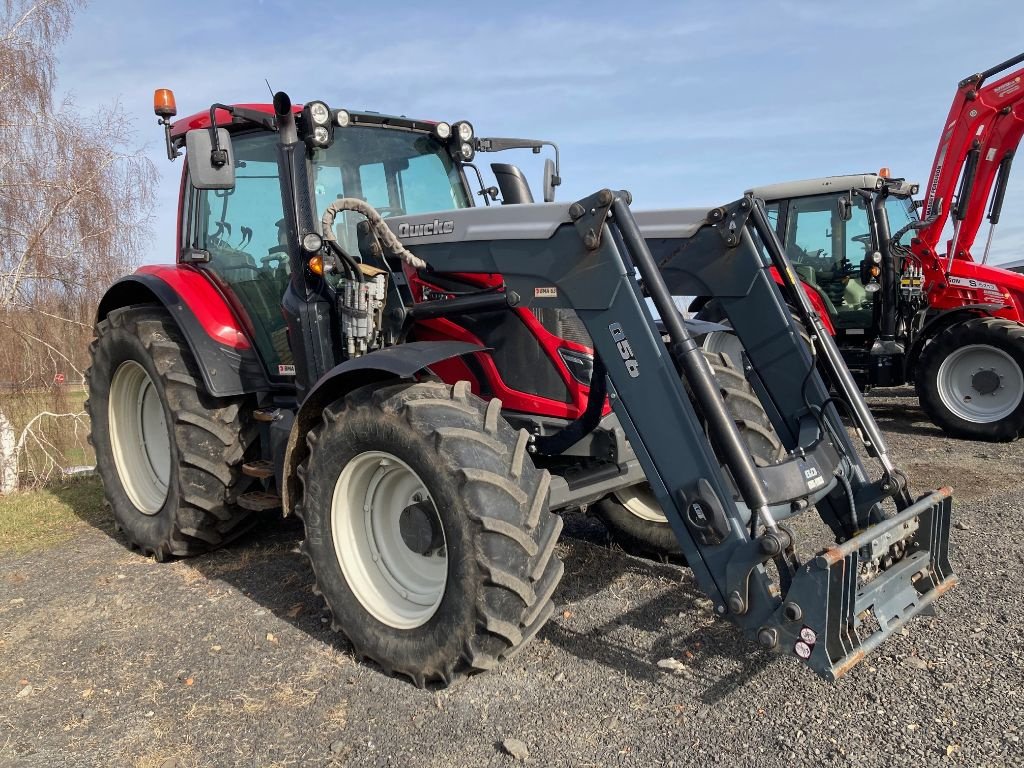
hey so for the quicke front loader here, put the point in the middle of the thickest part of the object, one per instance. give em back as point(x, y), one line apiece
point(429, 522)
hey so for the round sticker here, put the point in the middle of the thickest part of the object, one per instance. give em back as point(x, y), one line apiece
point(802, 649)
point(808, 636)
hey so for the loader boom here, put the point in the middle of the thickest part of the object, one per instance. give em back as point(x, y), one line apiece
point(984, 125)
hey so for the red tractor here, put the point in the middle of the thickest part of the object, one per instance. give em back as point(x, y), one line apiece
point(426, 414)
point(902, 305)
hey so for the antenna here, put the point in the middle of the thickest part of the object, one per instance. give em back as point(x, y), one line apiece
point(267, 81)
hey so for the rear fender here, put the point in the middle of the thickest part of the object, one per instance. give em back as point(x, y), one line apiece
point(942, 320)
point(226, 359)
point(392, 363)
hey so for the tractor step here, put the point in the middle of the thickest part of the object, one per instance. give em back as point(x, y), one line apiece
point(267, 414)
point(262, 469)
point(259, 501)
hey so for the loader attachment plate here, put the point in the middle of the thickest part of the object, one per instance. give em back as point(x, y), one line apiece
point(844, 614)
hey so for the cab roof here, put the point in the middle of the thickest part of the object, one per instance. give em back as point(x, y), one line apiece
point(828, 184)
point(824, 185)
point(224, 119)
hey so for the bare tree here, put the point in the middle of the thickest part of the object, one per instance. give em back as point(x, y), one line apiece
point(75, 202)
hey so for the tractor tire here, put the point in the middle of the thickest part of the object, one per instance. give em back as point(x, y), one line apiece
point(428, 529)
point(633, 517)
point(970, 379)
point(170, 455)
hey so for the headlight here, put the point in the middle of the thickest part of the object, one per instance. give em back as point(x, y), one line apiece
point(463, 130)
point(443, 131)
point(466, 151)
point(580, 365)
point(876, 257)
point(321, 135)
point(343, 118)
point(312, 242)
point(319, 112)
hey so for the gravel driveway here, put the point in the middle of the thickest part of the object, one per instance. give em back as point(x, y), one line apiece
point(107, 658)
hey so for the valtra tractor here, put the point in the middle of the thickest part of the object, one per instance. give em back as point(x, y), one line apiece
point(903, 306)
point(425, 383)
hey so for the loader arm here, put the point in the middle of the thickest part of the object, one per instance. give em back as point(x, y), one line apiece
point(965, 140)
point(726, 512)
point(997, 152)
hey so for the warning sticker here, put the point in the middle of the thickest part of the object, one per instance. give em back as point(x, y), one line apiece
point(545, 292)
point(802, 649)
point(286, 370)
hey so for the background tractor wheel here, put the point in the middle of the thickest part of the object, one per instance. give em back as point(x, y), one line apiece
point(970, 379)
point(428, 529)
point(633, 516)
point(169, 454)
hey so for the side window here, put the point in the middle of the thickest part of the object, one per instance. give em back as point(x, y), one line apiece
point(772, 209)
point(809, 234)
point(240, 228)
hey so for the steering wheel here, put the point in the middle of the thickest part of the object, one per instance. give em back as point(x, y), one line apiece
point(278, 253)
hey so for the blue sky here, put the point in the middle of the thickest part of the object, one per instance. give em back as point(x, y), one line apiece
point(683, 103)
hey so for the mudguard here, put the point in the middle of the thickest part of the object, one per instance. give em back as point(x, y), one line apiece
point(226, 359)
point(399, 362)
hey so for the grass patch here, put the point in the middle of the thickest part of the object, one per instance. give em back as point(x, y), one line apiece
point(33, 520)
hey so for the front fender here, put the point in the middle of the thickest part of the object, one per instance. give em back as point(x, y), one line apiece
point(399, 362)
point(226, 359)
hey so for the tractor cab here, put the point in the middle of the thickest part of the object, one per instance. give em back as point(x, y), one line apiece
point(240, 223)
point(828, 230)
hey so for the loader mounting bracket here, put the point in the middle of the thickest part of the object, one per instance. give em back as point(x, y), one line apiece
point(729, 220)
point(590, 214)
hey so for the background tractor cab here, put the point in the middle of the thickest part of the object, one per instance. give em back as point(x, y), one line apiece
point(898, 312)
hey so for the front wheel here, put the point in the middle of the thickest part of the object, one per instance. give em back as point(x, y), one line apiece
point(428, 529)
point(633, 516)
point(970, 379)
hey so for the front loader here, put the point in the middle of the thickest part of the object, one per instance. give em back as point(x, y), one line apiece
point(429, 519)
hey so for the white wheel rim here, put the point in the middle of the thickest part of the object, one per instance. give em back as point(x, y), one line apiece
point(400, 587)
point(640, 501)
point(980, 384)
point(139, 439)
point(722, 342)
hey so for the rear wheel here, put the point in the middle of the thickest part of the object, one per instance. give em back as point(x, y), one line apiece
point(633, 516)
point(428, 529)
point(970, 379)
point(169, 454)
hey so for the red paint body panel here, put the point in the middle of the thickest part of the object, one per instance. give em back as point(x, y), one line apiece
point(206, 303)
point(512, 399)
point(183, 125)
point(816, 301)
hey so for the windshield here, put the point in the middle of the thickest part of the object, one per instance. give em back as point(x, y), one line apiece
point(397, 172)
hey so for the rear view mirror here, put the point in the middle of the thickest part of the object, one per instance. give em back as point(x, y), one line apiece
point(845, 208)
point(210, 167)
point(549, 180)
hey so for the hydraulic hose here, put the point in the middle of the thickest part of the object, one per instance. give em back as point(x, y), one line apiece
point(387, 237)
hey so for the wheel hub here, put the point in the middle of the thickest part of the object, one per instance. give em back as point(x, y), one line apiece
point(985, 382)
point(419, 530)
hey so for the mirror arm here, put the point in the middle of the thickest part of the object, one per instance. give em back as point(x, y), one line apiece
point(218, 156)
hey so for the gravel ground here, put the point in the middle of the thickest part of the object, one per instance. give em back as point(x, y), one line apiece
point(107, 658)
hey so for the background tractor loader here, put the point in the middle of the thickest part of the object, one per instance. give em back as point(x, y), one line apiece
point(903, 306)
point(296, 356)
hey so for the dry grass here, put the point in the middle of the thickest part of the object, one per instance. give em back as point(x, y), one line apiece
point(39, 519)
